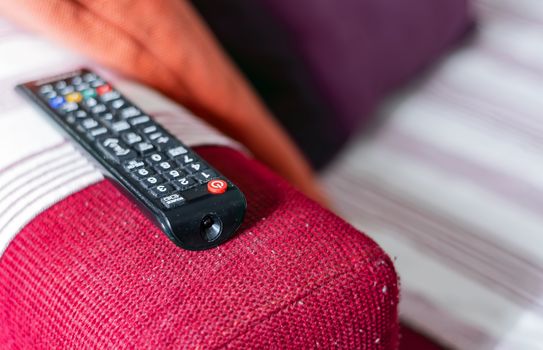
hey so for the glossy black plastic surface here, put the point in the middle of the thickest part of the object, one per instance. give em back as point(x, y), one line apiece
point(188, 224)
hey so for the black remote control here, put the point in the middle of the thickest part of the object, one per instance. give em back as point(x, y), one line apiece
point(191, 202)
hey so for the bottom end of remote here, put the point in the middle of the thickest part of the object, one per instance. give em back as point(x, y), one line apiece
point(211, 221)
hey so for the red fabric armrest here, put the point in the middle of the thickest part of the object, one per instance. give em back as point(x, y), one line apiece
point(92, 272)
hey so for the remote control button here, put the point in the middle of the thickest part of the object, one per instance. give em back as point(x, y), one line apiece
point(116, 104)
point(162, 141)
point(89, 123)
point(80, 129)
point(92, 134)
point(141, 173)
point(148, 128)
point(80, 114)
point(217, 186)
point(120, 126)
point(129, 112)
point(56, 102)
point(186, 159)
point(176, 151)
point(90, 103)
point(155, 135)
point(144, 148)
point(139, 120)
point(70, 119)
point(131, 137)
point(68, 90)
point(82, 87)
point(97, 109)
point(89, 93)
point(77, 115)
point(155, 158)
point(114, 149)
point(161, 190)
point(152, 181)
point(184, 183)
point(49, 95)
point(45, 89)
point(172, 201)
point(101, 90)
point(163, 166)
point(60, 85)
point(98, 82)
point(88, 77)
point(69, 107)
point(205, 176)
point(74, 97)
point(195, 167)
point(133, 164)
point(110, 96)
point(173, 174)
point(106, 118)
point(77, 80)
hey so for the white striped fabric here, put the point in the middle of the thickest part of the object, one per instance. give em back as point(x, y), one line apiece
point(38, 167)
point(451, 185)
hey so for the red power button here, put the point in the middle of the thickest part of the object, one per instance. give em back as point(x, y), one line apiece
point(217, 186)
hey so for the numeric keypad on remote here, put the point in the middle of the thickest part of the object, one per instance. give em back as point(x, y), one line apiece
point(124, 135)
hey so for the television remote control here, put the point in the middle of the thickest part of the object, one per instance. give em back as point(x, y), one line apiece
point(191, 202)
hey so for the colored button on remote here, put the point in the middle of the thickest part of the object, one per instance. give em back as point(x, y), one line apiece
point(217, 186)
point(74, 97)
point(56, 102)
point(103, 89)
point(89, 93)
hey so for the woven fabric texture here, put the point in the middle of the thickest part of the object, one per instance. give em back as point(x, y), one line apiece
point(92, 272)
point(165, 44)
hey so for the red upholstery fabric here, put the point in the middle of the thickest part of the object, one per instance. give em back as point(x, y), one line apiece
point(92, 272)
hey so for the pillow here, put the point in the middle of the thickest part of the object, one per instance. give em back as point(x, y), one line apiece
point(165, 45)
point(322, 66)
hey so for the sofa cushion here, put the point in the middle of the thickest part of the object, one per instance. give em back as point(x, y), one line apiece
point(93, 272)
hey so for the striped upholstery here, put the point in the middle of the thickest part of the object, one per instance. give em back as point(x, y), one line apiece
point(38, 167)
point(451, 184)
